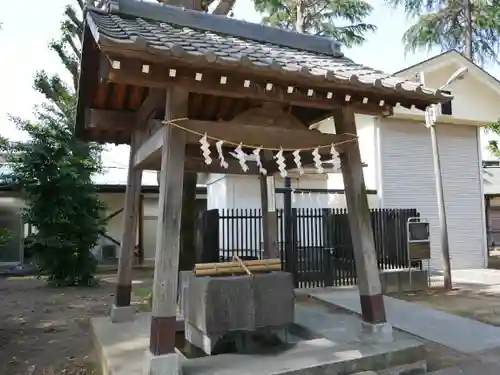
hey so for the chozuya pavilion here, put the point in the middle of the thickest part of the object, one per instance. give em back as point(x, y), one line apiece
point(164, 78)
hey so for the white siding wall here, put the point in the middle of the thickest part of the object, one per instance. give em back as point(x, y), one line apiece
point(407, 181)
point(240, 191)
point(473, 99)
point(116, 201)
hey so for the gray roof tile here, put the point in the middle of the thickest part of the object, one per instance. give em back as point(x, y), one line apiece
point(180, 40)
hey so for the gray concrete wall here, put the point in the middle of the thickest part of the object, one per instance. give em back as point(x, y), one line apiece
point(394, 281)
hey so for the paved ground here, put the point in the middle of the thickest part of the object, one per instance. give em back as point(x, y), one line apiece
point(461, 334)
point(478, 279)
point(476, 368)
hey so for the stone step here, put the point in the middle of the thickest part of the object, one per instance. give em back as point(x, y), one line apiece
point(474, 368)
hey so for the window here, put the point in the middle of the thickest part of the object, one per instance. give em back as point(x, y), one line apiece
point(446, 107)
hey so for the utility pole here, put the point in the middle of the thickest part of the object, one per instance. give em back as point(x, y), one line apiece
point(443, 225)
point(430, 122)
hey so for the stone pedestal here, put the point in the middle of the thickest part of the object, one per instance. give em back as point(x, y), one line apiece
point(216, 306)
point(122, 313)
point(376, 333)
point(169, 364)
point(184, 277)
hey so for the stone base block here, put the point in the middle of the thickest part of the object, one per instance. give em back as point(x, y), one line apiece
point(168, 364)
point(122, 313)
point(376, 333)
point(204, 341)
point(184, 277)
point(239, 303)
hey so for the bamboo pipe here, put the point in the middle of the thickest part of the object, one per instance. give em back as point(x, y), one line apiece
point(263, 262)
point(236, 270)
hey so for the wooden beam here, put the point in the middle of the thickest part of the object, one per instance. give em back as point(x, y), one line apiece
point(149, 151)
point(163, 317)
point(257, 135)
point(266, 136)
point(198, 165)
point(107, 119)
point(135, 72)
point(149, 157)
point(154, 101)
point(372, 303)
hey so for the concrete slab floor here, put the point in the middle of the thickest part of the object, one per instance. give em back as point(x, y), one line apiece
point(122, 348)
point(455, 332)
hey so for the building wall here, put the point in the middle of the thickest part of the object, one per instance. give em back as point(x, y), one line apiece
point(11, 252)
point(473, 99)
point(407, 181)
point(493, 218)
point(240, 191)
point(114, 202)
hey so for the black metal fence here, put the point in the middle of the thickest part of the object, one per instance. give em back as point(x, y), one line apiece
point(319, 245)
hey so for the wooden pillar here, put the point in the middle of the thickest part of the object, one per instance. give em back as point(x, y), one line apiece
point(163, 319)
point(140, 229)
point(269, 217)
point(372, 303)
point(487, 209)
point(128, 239)
point(187, 257)
point(288, 217)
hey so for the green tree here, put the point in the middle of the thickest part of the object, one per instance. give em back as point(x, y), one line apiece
point(472, 28)
point(54, 170)
point(339, 19)
point(493, 145)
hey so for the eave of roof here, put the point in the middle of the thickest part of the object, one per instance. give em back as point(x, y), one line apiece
point(204, 38)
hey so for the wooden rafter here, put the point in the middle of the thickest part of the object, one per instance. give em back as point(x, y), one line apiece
point(135, 72)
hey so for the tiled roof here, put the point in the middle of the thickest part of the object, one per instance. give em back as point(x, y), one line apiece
point(189, 34)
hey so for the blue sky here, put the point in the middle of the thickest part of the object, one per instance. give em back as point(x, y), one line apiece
point(25, 36)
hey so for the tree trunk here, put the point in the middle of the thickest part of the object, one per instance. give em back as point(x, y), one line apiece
point(299, 22)
point(468, 52)
point(224, 7)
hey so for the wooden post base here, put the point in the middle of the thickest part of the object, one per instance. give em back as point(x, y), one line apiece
point(123, 295)
point(372, 308)
point(162, 336)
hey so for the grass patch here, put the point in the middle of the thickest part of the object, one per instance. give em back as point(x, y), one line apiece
point(143, 292)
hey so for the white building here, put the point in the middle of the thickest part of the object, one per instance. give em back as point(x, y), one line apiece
point(399, 171)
